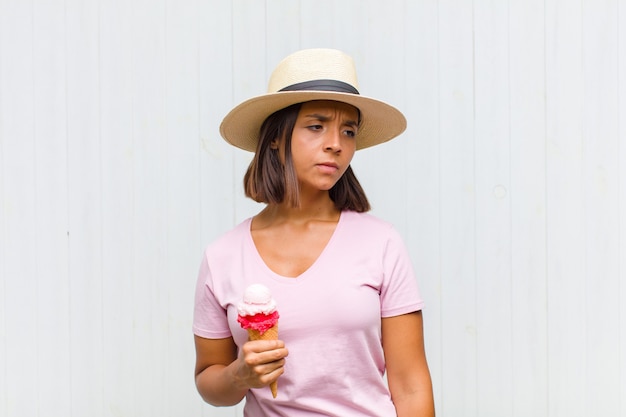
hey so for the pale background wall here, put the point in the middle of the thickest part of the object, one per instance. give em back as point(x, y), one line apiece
point(509, 187)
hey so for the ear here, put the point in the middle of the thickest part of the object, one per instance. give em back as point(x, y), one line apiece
point(274, 144)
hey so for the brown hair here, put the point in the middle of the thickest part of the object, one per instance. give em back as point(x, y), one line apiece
point(269, 181)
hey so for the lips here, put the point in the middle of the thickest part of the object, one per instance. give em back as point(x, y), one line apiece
point(328, 167)
point(329, 164)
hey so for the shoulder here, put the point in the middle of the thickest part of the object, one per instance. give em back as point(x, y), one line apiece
point(366, 222)
point(226, 243)
point(366, 228)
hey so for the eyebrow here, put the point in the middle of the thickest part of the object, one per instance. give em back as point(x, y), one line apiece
point(322, 118)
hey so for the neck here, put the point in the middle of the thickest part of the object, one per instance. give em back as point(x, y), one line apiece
point(319, 209)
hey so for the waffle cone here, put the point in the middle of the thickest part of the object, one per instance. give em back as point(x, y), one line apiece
point(269, 334)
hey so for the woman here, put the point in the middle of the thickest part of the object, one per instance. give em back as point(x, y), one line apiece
point(350, 309)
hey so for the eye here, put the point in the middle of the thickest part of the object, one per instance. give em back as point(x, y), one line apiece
point(350, 133)
point(315, 127)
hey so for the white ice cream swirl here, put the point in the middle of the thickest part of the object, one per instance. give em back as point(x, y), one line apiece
point(256, 299)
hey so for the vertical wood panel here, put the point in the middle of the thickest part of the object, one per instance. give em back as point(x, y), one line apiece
point(3, 240)
point(601, 199)
point(283, 31)
point(84, 208)
point(116, 129)
point(351, 25)
point(317, 32)
point(382, 75)
point(493, 203)
point(19, 185)
point(3, 220)
point(457, 210)
point(149, 176)
point(422, 172)
point(621, 33)
point(183, 202)
point(218, 180)
point(528, 207)
point(565, 214)
point(250, 77)
point(52, 285)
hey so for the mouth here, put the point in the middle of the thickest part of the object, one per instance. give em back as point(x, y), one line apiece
point(329, 164)
point(328, 167)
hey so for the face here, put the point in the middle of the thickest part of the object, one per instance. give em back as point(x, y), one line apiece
point(323, 143)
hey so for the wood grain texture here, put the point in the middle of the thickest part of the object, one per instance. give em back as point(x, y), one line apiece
point(566, 261)
point(19, 177)
point(492, 157)
point(457, 210)
point(527, 39)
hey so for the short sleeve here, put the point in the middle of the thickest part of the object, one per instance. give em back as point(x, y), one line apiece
point(399, 292)
point(209, 318)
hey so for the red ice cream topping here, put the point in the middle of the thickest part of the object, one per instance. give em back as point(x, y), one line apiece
point(260, 322)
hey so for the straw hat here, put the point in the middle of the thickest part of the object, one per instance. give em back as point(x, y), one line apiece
point(312, 74)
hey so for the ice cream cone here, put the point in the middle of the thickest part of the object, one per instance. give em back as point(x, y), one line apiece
point(269, 334)
point(258, 315)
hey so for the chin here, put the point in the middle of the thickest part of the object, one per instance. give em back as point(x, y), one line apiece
point(327, 187)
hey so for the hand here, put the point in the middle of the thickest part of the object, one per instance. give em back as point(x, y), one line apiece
point(261, 362)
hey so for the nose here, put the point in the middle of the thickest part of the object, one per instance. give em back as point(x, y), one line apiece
point(333, 141)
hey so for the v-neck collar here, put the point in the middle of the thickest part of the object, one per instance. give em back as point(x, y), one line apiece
point(309, 270)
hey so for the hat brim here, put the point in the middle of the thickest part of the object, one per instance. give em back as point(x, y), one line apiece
point(380, 122)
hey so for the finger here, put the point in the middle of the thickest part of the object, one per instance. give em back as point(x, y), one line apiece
point(270, 372)
point(263, 345)
point(262, 374)
point(276, 357)
point(255, 353)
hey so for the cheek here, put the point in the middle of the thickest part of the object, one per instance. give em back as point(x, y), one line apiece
point(349, 144)
point(349, 150)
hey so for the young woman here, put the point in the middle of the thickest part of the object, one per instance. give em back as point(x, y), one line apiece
point(350, 328)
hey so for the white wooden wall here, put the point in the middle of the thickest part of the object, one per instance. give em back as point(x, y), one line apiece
point(509, 187)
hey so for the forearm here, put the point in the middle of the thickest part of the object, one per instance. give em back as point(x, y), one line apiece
point(219, 386)
point(407, 369)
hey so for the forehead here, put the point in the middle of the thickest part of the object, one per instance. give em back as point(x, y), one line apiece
point(327, 107)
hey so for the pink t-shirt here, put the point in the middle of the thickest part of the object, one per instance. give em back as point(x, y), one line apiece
point(329, 316)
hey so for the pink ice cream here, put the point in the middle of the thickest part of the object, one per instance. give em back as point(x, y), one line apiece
point(257, 311)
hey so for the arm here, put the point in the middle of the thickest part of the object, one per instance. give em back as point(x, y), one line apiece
point(223, 378)
point(407, 369)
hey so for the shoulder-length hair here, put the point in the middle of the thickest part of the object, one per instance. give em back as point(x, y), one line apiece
point(269, 181)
